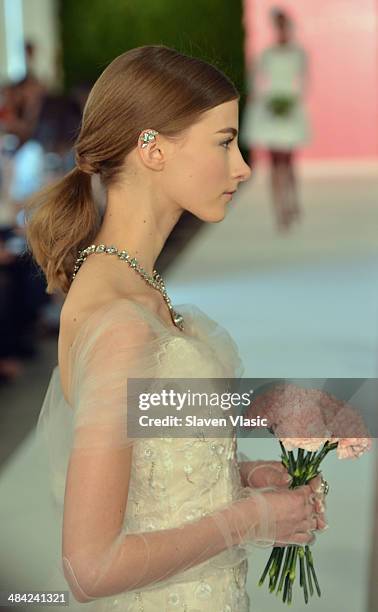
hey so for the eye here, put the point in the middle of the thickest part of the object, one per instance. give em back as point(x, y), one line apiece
point(227, 142)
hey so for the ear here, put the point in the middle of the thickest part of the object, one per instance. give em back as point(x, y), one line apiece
point(150, 149)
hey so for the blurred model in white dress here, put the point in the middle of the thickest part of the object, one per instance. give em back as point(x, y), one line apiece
point(275, 117)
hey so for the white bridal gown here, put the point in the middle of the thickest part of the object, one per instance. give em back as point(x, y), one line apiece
point(280, 71)
point(173, 480)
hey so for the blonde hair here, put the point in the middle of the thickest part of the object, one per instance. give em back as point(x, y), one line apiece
point(152, 86)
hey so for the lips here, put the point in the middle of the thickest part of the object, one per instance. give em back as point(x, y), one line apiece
point(230, 192)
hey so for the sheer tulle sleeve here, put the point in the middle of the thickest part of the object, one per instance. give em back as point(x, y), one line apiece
point(99, 557)
point(201, 326)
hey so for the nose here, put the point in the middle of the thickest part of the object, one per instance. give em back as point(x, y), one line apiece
point(243, 171)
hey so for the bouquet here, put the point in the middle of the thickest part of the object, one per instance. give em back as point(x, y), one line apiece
point(314, 417)
point(280, 105)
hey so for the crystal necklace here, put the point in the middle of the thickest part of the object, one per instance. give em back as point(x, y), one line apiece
point(155, 281)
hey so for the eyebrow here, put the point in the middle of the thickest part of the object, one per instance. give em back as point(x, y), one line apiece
point(228, 129)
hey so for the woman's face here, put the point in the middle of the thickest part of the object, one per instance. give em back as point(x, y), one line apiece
point(283, 32)
point(206, 164)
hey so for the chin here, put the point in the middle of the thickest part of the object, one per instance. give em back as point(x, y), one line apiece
point(212, 216)
point(211, 219)
point(219, 217)
point(209, 212)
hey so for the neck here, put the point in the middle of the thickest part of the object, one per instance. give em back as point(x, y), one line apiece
point(137, 224)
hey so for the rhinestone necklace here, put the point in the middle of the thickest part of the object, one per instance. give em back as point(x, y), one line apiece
point(155, 280)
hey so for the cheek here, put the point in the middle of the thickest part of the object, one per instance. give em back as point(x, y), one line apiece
point(214, 170)
point(203, 176)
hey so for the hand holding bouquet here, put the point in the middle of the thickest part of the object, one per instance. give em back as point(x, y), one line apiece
point(313, 423)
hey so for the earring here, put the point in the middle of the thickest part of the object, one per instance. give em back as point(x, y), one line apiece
point(147, 137)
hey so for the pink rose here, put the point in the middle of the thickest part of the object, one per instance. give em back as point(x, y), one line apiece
point(349, 430)
point(307, 418)
point(294, 415)
point(351, 448)
point(308, 444)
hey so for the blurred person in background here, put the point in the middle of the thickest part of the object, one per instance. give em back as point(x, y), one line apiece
point(22, 101)
point(10, 306)
point(275, 117)
point(21, 173)
point(26, 309)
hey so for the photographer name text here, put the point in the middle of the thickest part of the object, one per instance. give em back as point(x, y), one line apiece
point(194, 421)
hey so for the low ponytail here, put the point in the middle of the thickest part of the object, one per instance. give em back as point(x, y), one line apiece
point(60, 220)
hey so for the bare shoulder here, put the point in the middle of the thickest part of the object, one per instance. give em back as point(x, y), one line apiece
point(95, 287)
point(88, 295)
point(78, 306)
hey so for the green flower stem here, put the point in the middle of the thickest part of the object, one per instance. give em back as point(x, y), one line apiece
point(270, 586)
point(300, 466)
point(278, 567)
point(285, 566)
point(301, 565)
point(285, 462)
point(290, 593)
point(303, 574)
point(273, 570)
point(283, 449)
point(287, 572)
point(286, 588)
point(328, 448)
point(273, 567)
point(309, 573)
point(306, 461)
point(323, 452)
point(292, 462)
point(266, 569)
point(311, 564)
point(282, 566)
point(333, 446)
point(294, 564)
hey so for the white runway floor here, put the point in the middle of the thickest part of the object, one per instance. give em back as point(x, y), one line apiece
point(300, 305)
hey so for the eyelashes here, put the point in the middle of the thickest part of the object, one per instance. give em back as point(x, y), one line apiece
point(227, 142)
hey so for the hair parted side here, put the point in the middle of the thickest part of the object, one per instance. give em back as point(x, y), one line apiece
point(150, 86)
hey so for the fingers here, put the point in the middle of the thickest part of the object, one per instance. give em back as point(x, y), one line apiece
point(308, 498)
point(311, 523)
point(301, 512)
point(317, 499)
point(322, 523)
point(313, 505)
point(315, 493)
point(320, 502)
point(298, 538)
point(315, 484)
point(278, 475)
point(315, 523)
point(268, 473)
point(305, 538)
